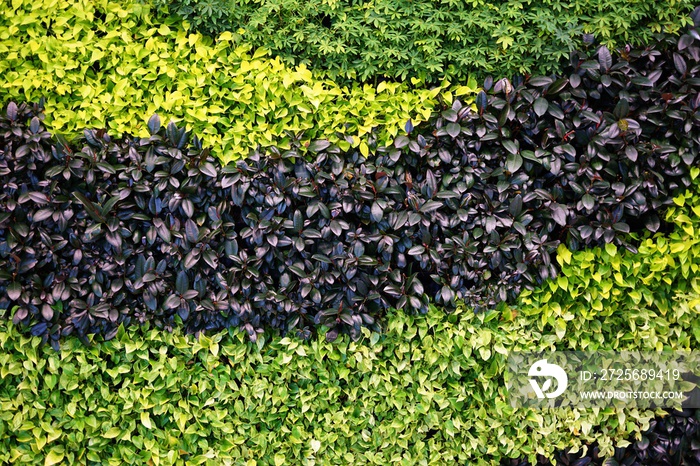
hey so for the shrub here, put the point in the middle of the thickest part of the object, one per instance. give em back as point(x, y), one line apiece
point(106, 63)
point(401, 39)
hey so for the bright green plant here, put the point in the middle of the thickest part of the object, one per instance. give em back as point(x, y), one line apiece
point(109, 64)
point(429, 390)
point(428, 39)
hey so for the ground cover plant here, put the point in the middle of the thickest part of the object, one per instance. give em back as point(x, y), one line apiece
point(108, 64)
point(472, 206)
point(431, 41)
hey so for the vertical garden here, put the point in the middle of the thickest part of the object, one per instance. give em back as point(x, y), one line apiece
point(280, 232)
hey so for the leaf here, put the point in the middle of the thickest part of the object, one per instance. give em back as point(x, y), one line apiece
point(408, 127)
point(679, 63)
point(431, 206)
point(416, 250)
point(14, 290)
point(208, 169)
point(652, 223)
point(319, 145)
point(611, 249)
point(91, 208)
point(55, 456)
point(564, 254)
point(377, 213)
point(481, 102)
point(513, 162)
point(35, 125)
point(146, 420)
point(453, 129)
point(191, 259)
point(191, 231)
point(182, 283)
point(113, 432)
point(558, 213)
point(510, 146)
point(685, 41)
point(540, 106)
point(12, 111)
point(401, 142)
point(516, 206)
point(154, 124)
point(540, 81)
point(604, 58)
point(588, 201)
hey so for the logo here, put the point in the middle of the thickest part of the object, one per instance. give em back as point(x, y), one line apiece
point(552, 371)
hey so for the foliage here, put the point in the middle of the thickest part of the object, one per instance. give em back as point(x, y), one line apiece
point(428, 40)
point(149, 229)
point(107, 63)
point(429, 390)
point(673, 439)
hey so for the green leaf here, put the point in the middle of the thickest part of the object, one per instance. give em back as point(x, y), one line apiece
point(54, 456)
point(611, 249)
point(453, 129)
point(146, 420)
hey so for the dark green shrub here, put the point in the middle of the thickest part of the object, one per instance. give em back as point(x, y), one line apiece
point(400, 39)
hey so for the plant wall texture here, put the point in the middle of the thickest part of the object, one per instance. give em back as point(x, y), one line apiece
point(428, 40)
point(108, 63)
point(429, 390)
point(471, 206)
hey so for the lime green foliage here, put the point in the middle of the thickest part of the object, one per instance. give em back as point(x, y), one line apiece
point(171, 399)
point(430, 39)
point(429, 390)
point(106, 64)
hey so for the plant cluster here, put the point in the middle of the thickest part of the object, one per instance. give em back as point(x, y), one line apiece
point(106, 63)
point(431, 41)
point(672, 439)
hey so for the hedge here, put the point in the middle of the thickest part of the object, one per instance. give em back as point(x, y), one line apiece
point(108, 63)
point(401, 39)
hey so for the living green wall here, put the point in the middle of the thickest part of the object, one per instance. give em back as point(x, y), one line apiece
point(429, 390)
point(110, 63)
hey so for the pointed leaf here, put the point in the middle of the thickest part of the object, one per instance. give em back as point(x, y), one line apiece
point(319, 145)
point(12, 111)
point(154, 124)
point(604, 58)
point(191, 231)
